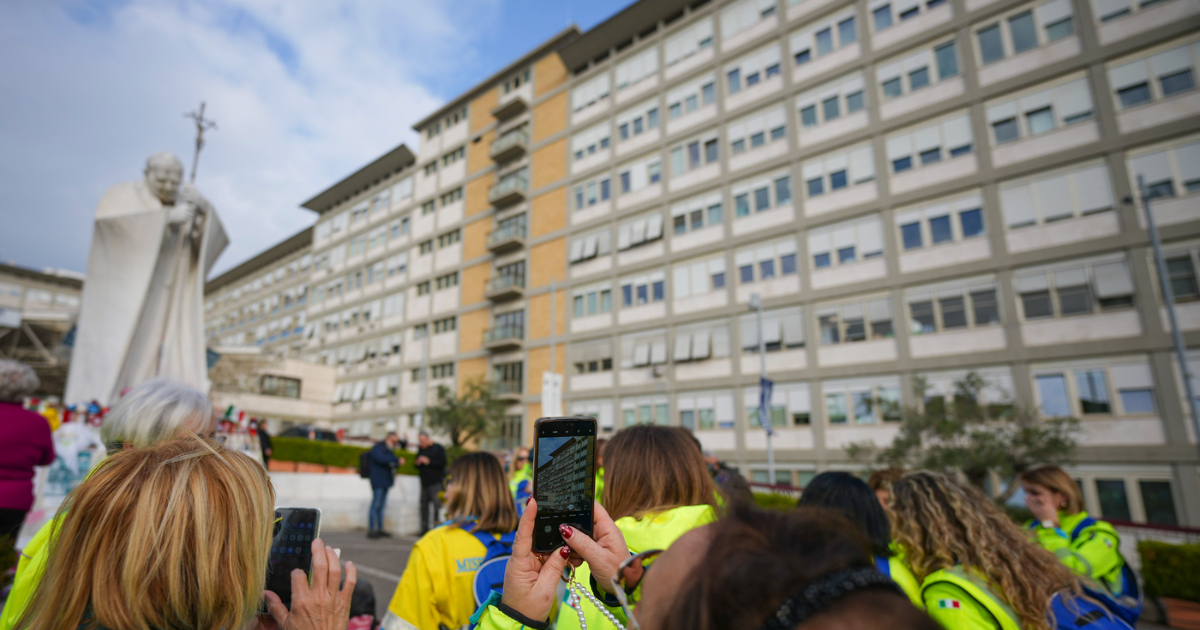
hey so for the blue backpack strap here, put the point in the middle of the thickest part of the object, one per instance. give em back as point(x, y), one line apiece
point(1084, 524)
point(883, 565)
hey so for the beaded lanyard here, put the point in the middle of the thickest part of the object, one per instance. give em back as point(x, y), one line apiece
point(576, 592)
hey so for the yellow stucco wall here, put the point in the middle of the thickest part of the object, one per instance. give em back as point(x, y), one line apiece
point(547, 260)
point(481, 109)
point(476, 192)
point(550, 117)
point(549, 72)
point(549, 164)
point(548, 213)
point(478, 153)
point(474, 279)
point(538, 316)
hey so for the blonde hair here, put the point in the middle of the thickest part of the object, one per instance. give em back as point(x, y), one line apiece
point(940, 523)
point(173, 535)
point(1057, 480)
point(650, 469)
point(481, 494)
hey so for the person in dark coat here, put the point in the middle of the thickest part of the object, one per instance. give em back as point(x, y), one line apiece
point(384, 463)
point(264, 442)
point(431, 465)
point(27, 443)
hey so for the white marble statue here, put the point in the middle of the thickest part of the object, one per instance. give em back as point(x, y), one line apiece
point(143, 301)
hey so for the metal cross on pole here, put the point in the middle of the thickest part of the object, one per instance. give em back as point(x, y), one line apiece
point(202, 124)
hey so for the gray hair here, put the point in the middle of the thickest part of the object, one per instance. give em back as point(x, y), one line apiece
point(17, 380)
point(155, 411)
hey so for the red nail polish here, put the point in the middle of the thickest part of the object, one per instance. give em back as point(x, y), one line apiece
point(527, 500)
point(565, 552)
point(565, 530)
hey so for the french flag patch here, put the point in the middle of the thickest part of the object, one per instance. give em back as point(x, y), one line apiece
point(949, 603)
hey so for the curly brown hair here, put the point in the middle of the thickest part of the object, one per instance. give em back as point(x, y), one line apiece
point(940, 523)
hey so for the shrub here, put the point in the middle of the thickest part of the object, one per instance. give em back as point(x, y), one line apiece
point(772, 501)
point(1170, 570)
point(293, 449)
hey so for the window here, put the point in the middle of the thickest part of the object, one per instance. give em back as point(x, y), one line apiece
point(645, 410)
point(960, 304)
point(590, 92)
point(589, 246)
point(428, 207)
point(403, 190)
point(590, 357)
point(742, 15)
point(706, 410)
point(601, 410)
point(1181, 274)
point(946, 139)
point(508, 377)
point(449, 238)
point(856, 321)
point(913, 71)
point(756, 130)
point(882, 16)
point(592, 301)
point(689, 41)
point(761, 194)
point(635, 121)
point(837, 170)
point(766, 261)
point(1114, 501)
point(279, 386)
point(446, 281)
point(593, 192)
point(514, 82)
point(789, 406)
point(640, 174)
point(444, 370)
point(431, 169)
point(423, 288)
point(826, 103)
point(826, 35)
point(587, 143)
point(640, 66)
point(1158, 502)
point(1122, 388)
point(1076, 288)
point(752, 69)
point(946, 221)
point(1024, 30)
point(862, 401)
point(1043, 110)
point(846, 243)
point(1077, 191)
point(639, 231)
point(782, 329)
point(1154, 77)
point(688, 98)
point(454, 156)
point(511, 324)
point(701, 341)
point(643, 349)
point(643, 289)
point(445, 325)
point(452, 196)
point(1168, 170)
point(695, 153)
point(697, 213)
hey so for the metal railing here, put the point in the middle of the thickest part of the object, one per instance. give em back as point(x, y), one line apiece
point(500, 283)
point(504, 333)
point(507, 387)
point(509, 184)
point(505, 233)
point(510, 139)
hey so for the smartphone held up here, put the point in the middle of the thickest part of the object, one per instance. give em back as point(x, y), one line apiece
point(291, 548)
point(564, 478)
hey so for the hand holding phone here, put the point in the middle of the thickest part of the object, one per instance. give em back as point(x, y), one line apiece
point(564, 478)
point(291, 548)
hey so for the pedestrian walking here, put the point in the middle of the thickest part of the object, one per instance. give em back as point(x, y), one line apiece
point(27, 443)
point(431, 466)
point(384, 463)
point(264, 442)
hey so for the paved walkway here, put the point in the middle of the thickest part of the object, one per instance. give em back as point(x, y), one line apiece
point(379, 561)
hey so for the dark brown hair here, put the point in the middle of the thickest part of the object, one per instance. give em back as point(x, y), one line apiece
point(649, 469)
point(883, 479)
point(758, 558)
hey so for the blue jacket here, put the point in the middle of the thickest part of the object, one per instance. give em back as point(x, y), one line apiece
point(383, 466)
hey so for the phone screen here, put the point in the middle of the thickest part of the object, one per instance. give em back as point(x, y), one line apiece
point(564, 478)
point(291, 548)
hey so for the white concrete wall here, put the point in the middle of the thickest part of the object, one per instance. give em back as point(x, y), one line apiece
point(345, 499)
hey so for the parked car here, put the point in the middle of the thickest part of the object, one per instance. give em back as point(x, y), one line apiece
point(310, 432)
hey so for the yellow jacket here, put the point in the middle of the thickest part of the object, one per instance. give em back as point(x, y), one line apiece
point(959, 598)
point(29, 574)
point(652, 532)
point(435, 589)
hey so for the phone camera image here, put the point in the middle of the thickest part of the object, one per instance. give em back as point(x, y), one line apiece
point(564, 479)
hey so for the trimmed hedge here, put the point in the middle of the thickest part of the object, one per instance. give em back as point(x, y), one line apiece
point(772, 501)
point(292, 449)
point(1170, 570)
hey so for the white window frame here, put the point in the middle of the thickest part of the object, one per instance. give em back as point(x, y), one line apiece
point(864, 234)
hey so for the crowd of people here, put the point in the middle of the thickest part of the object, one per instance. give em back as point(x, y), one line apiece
point(173, 529)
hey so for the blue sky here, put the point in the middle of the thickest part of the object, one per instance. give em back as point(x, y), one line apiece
point(304, 92)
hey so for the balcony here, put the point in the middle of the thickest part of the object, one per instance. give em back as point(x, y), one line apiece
point(508, 390)
point(503, 338)
point(513, 105)
point(510, 146)
point(503, 288)
point(506, 239)
point(509, 190)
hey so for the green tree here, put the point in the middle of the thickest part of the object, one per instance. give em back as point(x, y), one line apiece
point(962, 434)
point(471, 413)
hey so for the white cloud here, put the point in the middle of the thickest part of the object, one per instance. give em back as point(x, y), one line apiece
point(303, 93)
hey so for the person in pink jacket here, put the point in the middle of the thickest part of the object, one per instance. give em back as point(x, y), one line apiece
point(27, 443)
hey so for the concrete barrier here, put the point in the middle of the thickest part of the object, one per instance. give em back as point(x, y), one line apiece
point(345, 499)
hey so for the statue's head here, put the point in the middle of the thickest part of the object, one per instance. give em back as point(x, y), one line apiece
point(164, 172)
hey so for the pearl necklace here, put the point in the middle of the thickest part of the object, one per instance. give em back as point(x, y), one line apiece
point(575, 590)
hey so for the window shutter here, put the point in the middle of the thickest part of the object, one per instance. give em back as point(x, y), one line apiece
point(681, 281)
point(1112, 280)
point(641, 355)
point(623, 237)
point(1053, 11)
point(1109, 7)
point(638, 229)
point(1153, 167)
point(870, 237)
point(923, 59)
point(1131, 376)
point(699, 273)
point(576, 250)
point(1003, 111)
point(1072, 99)
point(1129, 74)
point(724, 411)
point(771, 328)
point(658, 352)
point(1187, 159)
point(862, 164)
point(654, 228)
point(683, 346)
point(1171, 61)
point(1017, 205)
point(801, 42)
point(879, 310)
point(900, 146)
point(592, 246)
point(890, 71)
point(700, 345)
point(1070, 278)
point(812, 170)
point(818, 243)
point(793, 328)
point(1054, 197)
point(1093, 190)
point(843, 236)
point(798, 398)
point(749, 332)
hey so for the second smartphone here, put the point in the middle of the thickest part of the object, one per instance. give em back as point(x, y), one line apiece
point(291, 548)
point(564, 478)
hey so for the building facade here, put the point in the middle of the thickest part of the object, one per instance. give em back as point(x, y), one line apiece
point(915, 189)
point(37, 310)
